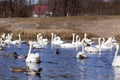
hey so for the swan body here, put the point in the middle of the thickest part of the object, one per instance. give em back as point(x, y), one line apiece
point(106, 45)
point(69, 45)
point(116, 60)
point(3, 36)
point(89, 41)
point(32, 57)
point(36, 44)
point(93, 49)
point(17, 41)
point(82, 54)
point(56, 40)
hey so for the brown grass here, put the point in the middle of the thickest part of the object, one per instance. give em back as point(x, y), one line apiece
point(65, 34)
point(63, 26)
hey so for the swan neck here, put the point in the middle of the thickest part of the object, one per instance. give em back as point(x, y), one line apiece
point(19, 37)
point(83, 46)
point(116, 52)
point(99, 43)
point(52, 37)
point(85, 35)
point(30, 48)
point(73, 40)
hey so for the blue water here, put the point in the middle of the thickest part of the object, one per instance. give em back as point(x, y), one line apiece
point(63, 66)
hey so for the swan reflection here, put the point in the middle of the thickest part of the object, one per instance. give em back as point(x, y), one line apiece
point(32, 66)
point(116, 73)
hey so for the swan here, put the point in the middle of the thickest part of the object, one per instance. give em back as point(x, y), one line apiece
point(89, 41)
point(82, 54)
point(42, 42)
point(93, 49)
point(2, 44)
point(116, 60)
point(32, 66)
point(36, 44)
point(56, 40)
point(17, 41)
point(69, 45)
point(3, 36)
point(106, 45)
point(32, 57)
point(78, 40)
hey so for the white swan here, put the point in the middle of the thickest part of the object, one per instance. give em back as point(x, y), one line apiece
point(3, 36)
point(106, 45)
point(89, 41)
point(32, 57)
point(8, 39)
point(17, 41)
point(32, 66)
point(36, 44)
point(116, 60)
point(56, 40)
point(77, 41)
point(82, 54)
point(93, 49)
point(42, 42)
point(69, 45)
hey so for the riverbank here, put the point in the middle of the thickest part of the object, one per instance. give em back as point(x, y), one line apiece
point(95, 26)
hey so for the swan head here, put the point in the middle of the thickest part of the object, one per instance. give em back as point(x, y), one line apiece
point(19, 35)
point(52, 33)
point(73, 34)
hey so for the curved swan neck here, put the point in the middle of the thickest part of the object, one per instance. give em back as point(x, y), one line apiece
point(116, 52)
point(103, 40)
point(77, 38)
point(38, 35)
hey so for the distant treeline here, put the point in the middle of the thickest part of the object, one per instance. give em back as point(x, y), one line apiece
point(24, 8)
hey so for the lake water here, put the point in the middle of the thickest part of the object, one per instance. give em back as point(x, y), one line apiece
point(63, 66)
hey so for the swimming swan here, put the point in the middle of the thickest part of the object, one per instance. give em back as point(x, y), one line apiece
point(82, 54)
point(116, 60)
point(32, 57)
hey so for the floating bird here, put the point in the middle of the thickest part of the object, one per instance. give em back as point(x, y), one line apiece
point(15, 55)
point(57, 51)
point(34, 72)
point(116, 60)
point(32, 57)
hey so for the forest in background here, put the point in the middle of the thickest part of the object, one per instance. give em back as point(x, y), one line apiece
point(24, 8)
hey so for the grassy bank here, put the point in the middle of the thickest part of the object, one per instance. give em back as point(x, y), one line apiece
point(95, 26)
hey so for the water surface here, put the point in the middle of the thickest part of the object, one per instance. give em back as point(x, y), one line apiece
point(63, 66)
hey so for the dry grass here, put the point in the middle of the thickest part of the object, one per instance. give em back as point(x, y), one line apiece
point(66, 34)
point(63, 26)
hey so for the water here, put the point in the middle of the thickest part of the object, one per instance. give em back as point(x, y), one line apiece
point(63, 66)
